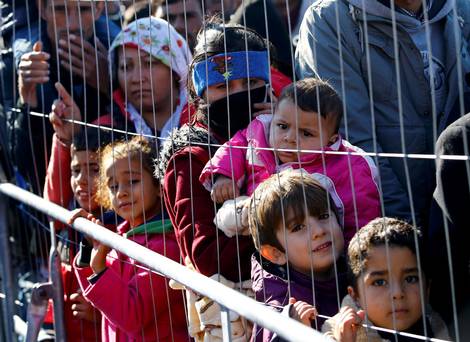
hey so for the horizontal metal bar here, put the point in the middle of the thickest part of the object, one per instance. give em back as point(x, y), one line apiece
point(288, 328)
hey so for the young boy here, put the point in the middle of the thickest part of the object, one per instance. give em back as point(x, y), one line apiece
point(82, 321)
point(387, 287)
point(294, 224)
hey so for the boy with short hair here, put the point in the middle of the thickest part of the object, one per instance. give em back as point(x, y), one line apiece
point(294, 224)
point(82, 321)
point(387, 287)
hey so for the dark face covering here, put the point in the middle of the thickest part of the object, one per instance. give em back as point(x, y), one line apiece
point(233, 113)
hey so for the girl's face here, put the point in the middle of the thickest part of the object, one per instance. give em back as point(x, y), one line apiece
point(133, 193)
point(389, 288)
point(219, 91)
point(314, 243)
point(309, 132)
point(146, 80)
point(85, 170)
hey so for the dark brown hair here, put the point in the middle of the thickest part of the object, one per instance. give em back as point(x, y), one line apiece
point(382, 231)
point(314, 95)
point(288, 191)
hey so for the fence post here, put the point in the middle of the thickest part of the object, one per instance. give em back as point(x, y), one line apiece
point(7, 279)
point(55, 278)
point(226, 327)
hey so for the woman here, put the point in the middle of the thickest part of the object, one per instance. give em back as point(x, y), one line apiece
point(150, 63)
point(230, 71)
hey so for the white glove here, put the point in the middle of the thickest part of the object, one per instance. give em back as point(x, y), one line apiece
point(232, 217)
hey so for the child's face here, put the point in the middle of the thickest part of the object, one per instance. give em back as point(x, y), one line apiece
point(132, 191)
point(85, 170)
point(304, 134)
point(315, 242)
point(389, 288)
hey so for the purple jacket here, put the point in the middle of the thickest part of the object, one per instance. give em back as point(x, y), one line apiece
point(271, 286)
point(247, 158)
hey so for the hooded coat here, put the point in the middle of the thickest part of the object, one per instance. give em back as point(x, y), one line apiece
point(391, 109)
point(274, 284)
point(136, 304)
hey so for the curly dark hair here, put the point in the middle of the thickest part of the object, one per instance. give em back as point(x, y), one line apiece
point(381, 231)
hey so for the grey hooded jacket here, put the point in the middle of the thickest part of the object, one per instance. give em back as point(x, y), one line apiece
point(340, 42)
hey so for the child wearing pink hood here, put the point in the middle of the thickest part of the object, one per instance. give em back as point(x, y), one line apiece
point(302, 133)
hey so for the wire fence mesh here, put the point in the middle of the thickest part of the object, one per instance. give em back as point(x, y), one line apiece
point(195, 128)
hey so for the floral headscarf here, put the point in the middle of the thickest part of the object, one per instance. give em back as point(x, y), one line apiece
point(159, 39)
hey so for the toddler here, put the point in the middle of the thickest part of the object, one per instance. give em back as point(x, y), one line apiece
point(305, 123)
point(136, 304)
point(387, 287)
point(295, 228)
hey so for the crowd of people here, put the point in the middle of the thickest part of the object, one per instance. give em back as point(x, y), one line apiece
point(287, 149)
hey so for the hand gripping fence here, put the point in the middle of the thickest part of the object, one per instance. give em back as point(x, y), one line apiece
point(228, 299)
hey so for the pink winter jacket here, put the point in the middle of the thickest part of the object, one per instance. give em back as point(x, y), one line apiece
point(250, 163)
point(137, 305)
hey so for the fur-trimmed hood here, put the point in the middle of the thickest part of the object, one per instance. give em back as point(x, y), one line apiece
point(180, 138)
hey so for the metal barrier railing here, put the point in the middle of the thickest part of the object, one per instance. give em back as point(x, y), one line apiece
point(227, 298)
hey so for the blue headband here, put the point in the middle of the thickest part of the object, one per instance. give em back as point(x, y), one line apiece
point(230, 66)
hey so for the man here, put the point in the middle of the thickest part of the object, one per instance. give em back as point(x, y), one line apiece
point(184, 15)
point(63, 50)
point(400, 86)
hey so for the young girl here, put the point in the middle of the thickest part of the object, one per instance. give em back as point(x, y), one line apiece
point(306, 120)
point(295, 227)
point(136, 304)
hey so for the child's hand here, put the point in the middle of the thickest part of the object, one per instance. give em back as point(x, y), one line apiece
point(303, 312)
point(222, 190)
point(82, 309)
point(348, 321)
point(98, 257)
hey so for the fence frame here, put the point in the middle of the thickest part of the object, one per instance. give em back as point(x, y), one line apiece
point(227, 298)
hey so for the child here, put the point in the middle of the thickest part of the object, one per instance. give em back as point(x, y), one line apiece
point(294, 224)
point(307, 117)
point(134, 302)
point(82, 321)
point(387, 287)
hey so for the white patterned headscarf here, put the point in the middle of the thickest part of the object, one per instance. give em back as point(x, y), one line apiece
point(160, 40)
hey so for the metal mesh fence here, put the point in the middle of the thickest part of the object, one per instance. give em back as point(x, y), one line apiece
point(250, 141)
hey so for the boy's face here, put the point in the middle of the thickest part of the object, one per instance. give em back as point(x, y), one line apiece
point(314, 243)
point(309, 132)
point(389, 288)
point(85, 171)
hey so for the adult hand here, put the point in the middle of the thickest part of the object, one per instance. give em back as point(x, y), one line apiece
point(32, 70)
point(82, 309)
point(265, 107)
point(347, 323)
point(84, 60)
point(62, 110)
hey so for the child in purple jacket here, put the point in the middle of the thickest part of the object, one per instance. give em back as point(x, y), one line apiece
point(302, 134)
point(300, 266)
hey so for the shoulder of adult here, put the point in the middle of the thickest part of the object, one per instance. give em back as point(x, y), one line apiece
point(451, 139)
point(181, 138)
